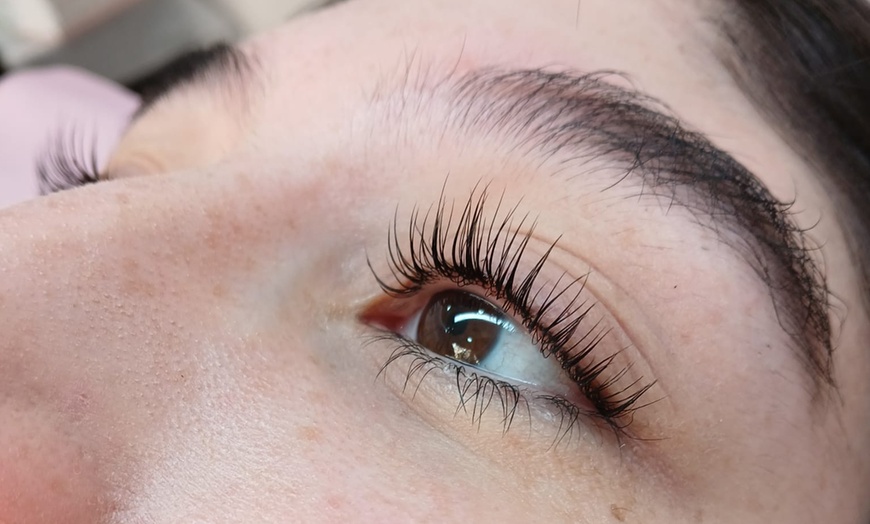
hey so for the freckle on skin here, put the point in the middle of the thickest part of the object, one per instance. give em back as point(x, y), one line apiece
point(618, 512)
point(219, 291)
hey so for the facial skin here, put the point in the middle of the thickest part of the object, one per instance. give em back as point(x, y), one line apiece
point(193, 340)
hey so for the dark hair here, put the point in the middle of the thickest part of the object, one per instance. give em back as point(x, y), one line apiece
point(805, 64)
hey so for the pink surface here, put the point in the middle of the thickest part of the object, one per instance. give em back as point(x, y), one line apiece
point(35, 105)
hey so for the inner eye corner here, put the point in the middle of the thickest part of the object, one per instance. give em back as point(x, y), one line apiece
point(382, 313)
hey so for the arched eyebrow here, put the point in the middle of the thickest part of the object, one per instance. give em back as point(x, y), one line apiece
point(583, 116)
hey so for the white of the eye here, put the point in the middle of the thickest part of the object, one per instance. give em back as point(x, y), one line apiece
point(516, 357)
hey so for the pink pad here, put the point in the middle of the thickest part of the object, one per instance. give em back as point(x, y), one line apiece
point(36, 105)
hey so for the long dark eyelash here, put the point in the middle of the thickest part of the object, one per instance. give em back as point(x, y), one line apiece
point(69, 161)
point(489, 254)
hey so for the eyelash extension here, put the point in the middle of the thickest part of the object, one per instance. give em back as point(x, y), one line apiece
point(489, 254)
point(67, 163)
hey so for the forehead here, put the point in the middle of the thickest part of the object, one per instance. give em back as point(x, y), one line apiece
point(319, 69)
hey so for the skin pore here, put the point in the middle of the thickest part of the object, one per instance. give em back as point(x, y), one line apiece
point(199, 337)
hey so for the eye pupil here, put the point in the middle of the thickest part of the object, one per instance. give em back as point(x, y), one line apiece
point(461, 326)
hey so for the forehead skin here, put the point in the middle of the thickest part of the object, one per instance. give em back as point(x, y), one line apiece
point(185, 344)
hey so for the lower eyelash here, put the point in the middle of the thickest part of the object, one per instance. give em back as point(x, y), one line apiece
point(69, 161)
point(479, 393)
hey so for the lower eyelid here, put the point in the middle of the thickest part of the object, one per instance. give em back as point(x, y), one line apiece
point(421, 377)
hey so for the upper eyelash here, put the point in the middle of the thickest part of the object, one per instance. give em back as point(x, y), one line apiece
point(489, 253)
point(67, 162)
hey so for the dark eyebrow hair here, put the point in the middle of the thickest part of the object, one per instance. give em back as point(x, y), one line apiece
point(585, 116)
point(805, 65)
point(220, 62)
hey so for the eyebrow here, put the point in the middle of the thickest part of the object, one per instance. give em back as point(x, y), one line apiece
point(585, 116)
point(219, 63)
point(805, 67)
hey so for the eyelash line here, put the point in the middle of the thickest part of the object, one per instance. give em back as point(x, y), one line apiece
point(476, 390)
point(425, 362)
point(489, 254)
point(67, 162)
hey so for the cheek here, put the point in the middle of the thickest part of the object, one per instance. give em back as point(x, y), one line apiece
point(44, 477)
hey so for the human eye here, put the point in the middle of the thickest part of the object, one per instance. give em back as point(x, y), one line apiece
point(466, 298)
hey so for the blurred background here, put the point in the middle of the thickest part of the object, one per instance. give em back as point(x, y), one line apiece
point(71, 72)
point(126, 40)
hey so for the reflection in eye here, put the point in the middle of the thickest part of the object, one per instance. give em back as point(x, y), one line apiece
point(468, 329)
point(462, 326)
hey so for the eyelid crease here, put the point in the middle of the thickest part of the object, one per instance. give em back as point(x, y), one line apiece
point(636, 331)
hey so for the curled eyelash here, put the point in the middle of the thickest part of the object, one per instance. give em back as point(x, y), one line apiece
point(69, 161)
point(475, 250)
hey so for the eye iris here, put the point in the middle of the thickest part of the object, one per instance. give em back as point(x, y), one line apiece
point(461, 326)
